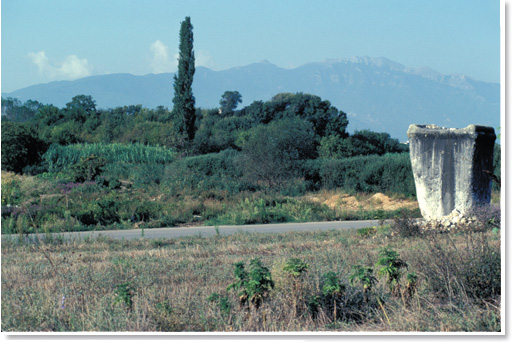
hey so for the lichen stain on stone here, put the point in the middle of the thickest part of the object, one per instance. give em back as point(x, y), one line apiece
point(448, 166)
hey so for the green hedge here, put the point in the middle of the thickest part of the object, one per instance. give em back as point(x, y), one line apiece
point(222, 171)
point(213, 171)
point(387, 173)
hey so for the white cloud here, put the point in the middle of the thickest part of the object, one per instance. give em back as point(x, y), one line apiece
point(70, 68)
point(203, 58)
point(160, 61)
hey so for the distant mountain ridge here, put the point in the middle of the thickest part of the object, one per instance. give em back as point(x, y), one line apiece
point(376, 93)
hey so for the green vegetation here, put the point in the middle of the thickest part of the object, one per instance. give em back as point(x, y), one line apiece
point(390, 268)
point(127, 167)
point(59, 157)
point(300, 281)
point(252, 286)
point(373, 173)
point(20, 147)
point(183, 113)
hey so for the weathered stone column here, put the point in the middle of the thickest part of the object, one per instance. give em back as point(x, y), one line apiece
point(449, 167)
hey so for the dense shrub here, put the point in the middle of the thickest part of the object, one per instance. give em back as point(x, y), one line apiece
point(88, 168)
point(273, 153)
point(104, 212)
point(387, 173)
point(146, 211)
point(20, 147)
point(211, 171)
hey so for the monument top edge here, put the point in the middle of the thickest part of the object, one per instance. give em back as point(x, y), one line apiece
point(435, 130)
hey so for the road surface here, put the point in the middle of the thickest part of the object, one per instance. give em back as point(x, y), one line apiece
point(168, 233)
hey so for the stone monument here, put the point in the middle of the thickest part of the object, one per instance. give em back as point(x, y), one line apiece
point(451, 168)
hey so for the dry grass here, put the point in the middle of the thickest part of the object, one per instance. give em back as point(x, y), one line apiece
point(341, 201)
point(172, 280)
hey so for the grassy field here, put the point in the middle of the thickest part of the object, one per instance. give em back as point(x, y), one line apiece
point(386, 278)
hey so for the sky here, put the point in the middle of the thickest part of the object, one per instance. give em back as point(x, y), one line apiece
point(49, 40)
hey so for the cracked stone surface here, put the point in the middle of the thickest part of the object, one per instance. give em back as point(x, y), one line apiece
point(451, 168)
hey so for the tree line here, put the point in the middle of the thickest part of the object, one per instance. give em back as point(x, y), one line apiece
point(300, 126)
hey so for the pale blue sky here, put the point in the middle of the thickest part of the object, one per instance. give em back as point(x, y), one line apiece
point(47, 40)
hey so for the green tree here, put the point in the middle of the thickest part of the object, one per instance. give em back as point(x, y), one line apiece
point(273, 153)
point(361, 143)
point(20, 147)
point(229, 101)
point(184, 113)
point(14, 110)
point(48, 115)
point(65, 133)
point(80, 108)
point(325, 118)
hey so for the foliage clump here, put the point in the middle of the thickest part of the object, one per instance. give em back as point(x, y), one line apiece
point(254, 285)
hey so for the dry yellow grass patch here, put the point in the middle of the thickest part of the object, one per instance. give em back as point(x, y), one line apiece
point(348, 202)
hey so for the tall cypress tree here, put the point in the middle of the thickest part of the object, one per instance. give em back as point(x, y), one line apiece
point(183, 111)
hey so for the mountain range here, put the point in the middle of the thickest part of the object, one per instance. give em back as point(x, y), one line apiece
point(376, 93)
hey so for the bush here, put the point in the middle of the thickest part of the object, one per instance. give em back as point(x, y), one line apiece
point(254, 285)
point(214, 171)
point(146, 211)
point(87, 169)
point(273, 153)
point(104, 212)
point(20, 147)
point(361, 143)
point(387, 173)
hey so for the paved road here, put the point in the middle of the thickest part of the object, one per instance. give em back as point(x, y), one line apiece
point(156, 233)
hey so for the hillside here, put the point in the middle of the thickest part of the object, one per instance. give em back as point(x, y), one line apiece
point(376, 93)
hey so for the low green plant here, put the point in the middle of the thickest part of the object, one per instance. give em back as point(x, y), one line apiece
point(222, 302)
point(313, 304)
point(367, 232)
point(363, 275)
point(164, 307)
point(412, 285)
point(390, 267)
point(295, 267)
point(333, 290)
point(124, 294)
point(252, 286)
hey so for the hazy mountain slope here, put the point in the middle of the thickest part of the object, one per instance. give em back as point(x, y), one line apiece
point(376, 93)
